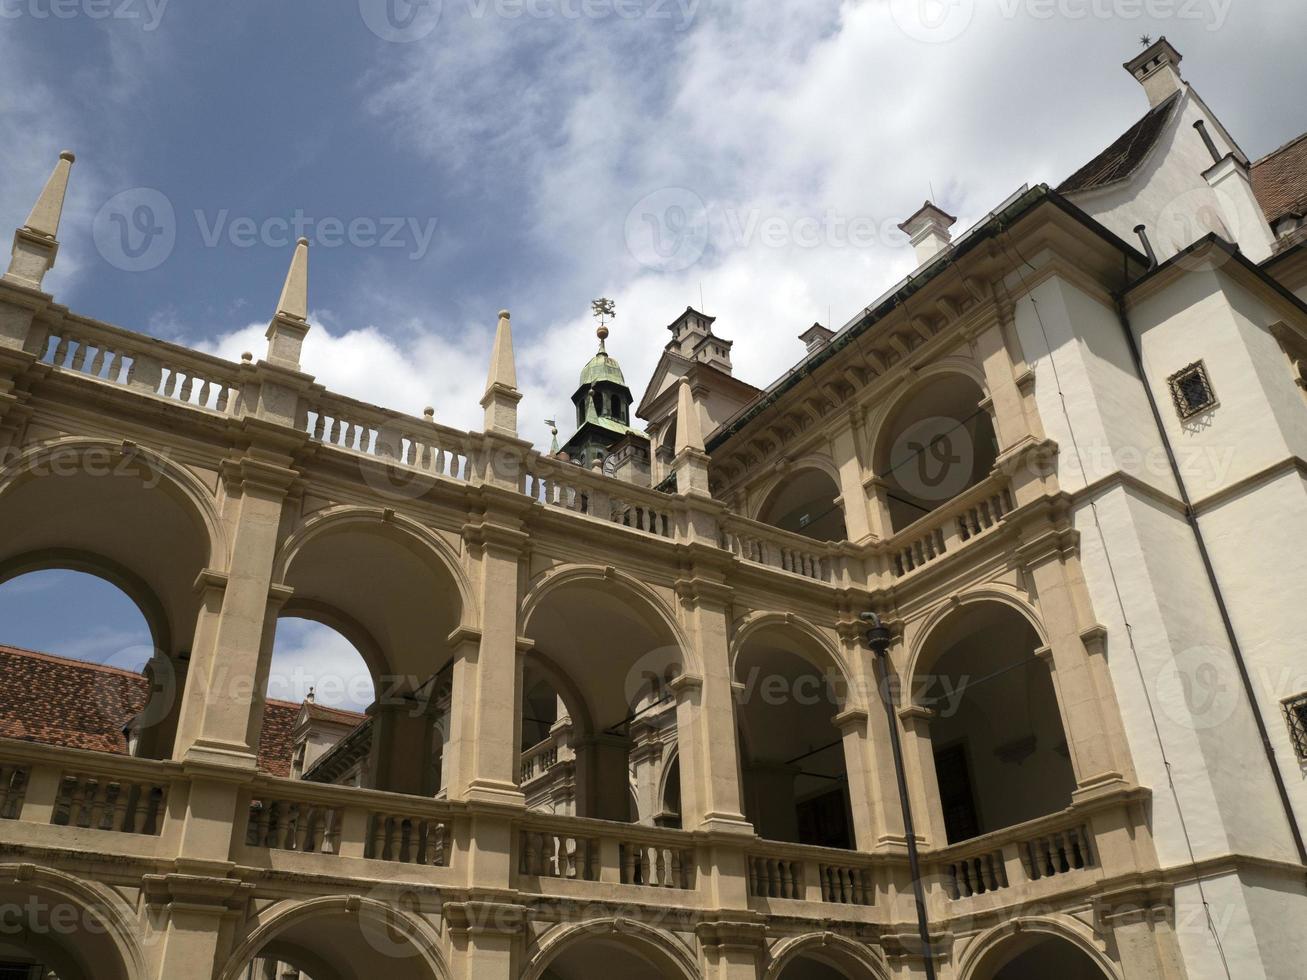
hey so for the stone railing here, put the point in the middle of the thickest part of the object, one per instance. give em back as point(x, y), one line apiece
point(605, 851)
point(56, 796)
point(109, 802)
point(763, 544)
point(569, 487)
point(322, 819)
point(540, 758)
point(803, 873)
point(1044, 848)
point(967, 516)
point(132, 360)
point(393, 437)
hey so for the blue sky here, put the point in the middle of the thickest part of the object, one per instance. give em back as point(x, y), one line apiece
point(522, 154)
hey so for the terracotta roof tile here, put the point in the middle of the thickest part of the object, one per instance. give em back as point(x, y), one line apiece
point(81, 705)
point(1280, 180)
point(1124, 156)
point(320, 712)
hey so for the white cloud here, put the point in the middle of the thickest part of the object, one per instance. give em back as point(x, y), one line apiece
point(308, 656)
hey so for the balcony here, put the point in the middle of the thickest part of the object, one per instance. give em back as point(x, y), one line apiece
point(970, 516)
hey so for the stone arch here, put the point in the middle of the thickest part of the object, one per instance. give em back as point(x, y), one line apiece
point(934, 439)
point(827, 947)
point(344, 624)
point(757, 621)
point(559, 578)
point(670, 956)
point(992, 949)
point(808, 487)
point(112, 950)
point(275, 928)
point(912, 383)
point(987, 709)
point(179, 481)
point(400, 528)
point(119, 576)
point(943, 612)
point(792, 684)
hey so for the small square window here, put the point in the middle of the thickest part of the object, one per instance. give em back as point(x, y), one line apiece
point(1295, 712)
point(1192, 391)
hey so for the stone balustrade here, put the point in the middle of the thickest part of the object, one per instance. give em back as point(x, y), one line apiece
point(391, 437)
point(802, 873)
point(1047, 847)
point(970, 515)
point(121, 357)
point(762, 544)
point(567, 486)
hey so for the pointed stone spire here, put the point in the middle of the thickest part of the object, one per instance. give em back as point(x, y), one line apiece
point(35, 244)
point(691, 462)
point(689, 429)
point(290, 324)
point(501, 397)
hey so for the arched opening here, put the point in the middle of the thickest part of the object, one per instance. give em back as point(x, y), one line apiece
point(119, 517)
point(1034, 955)
point(608, 657)
point(547, 746)
point(806, 502)
point(939, 442)
point(342, 944)
point(73, 638)
point(610, 955)
point(382, 604)
point(996, 734)
point(795, 781)
point(813, 966)
point(319, 688)
point(52, 934)
point(669, 814)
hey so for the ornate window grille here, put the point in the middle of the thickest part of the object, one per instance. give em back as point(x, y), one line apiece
point(1295, 712)
point(1191, 390)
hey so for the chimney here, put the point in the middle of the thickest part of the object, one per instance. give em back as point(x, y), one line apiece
point(928, 230)
point(1158, 71)
point(816, 337)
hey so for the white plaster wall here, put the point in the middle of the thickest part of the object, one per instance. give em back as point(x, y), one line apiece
point(1169, 660)
point(1169, 193)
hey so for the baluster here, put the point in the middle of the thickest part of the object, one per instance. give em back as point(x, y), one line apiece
point(60, 352)
point(97, 362)
point(787, 878)
point(628, 864)
point(223, 393)
point(92, 807)
point(261, 824)
point(109, 819)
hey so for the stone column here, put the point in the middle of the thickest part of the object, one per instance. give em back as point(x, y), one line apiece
point(852, 724)
point(222, 714)
point(485, 940)
point(705, 717)
point(400, 752)
point(919, 765)
point(1086, 699)
point(853, 497)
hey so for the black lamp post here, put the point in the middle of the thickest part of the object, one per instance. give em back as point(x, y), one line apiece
point(879, 638)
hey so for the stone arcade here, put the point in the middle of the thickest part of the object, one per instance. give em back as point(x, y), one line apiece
point(630, 725)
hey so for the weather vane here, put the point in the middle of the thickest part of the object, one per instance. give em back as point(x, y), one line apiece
point(1145, 40)
point(603, 309)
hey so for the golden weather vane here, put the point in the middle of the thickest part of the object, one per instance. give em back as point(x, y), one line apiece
point(603, 309)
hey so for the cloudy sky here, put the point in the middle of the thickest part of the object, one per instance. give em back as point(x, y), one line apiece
point(449, 158)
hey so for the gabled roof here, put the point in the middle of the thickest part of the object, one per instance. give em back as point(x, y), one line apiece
point(1280, 180)
point(79, 705)
point(1126, 154)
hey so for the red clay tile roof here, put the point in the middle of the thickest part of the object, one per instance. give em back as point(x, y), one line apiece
point(1123, 157)
point(1280, 180)
point(80, 705)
